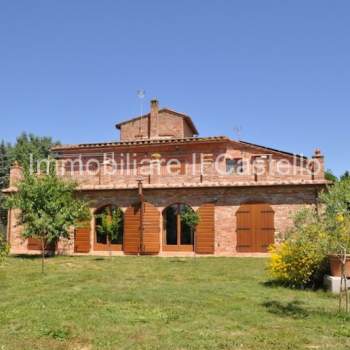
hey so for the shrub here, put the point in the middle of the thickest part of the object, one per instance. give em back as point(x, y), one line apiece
point(301, 260)
point(4, 248)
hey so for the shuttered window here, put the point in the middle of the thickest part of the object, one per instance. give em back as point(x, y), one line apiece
point(35, 244)
point(151, 229)
point(255, 227)
point(131, 242)
point(205, 231)
point(150, 241)
point(82, 240)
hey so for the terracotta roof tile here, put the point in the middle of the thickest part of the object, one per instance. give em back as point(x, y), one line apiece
point(143, 142)
point(197, 185)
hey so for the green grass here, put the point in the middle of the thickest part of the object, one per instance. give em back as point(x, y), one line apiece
point(161, 303)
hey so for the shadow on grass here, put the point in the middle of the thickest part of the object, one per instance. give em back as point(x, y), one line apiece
point(291, 309)
point(178, 261)
point(316, 285)
point(296, 310)
point(32, 256)
point(273, 284)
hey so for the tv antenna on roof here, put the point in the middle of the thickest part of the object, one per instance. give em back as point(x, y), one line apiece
point(141, 95)
point(237, 131)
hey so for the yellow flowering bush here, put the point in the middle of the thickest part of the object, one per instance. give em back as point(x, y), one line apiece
point(300, 260)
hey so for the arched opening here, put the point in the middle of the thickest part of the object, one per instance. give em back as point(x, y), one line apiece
point(177, 234)
point(109, 228)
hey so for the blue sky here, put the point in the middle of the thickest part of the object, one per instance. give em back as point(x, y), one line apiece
point(279, 70)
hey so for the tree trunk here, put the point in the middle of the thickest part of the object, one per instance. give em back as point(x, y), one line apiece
point(343, 293)
point(109, 247)
point(42, 254)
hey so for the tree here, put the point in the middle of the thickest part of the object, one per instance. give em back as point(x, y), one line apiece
point(111, 224)
point(330, 176)
point(47, 207)
point(27, 147)
point(189, 218)
point(5, 162)
point(345, 176)
point(337, 221)
point(30, 148)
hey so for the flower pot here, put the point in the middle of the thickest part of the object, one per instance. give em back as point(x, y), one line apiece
point(335, 265)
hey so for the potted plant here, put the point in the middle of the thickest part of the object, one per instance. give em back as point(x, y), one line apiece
point(110, 225)
point(337, 223)
point(190, 218)
point(339, 246)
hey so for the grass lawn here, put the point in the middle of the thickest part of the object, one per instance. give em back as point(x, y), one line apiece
point(161, 303)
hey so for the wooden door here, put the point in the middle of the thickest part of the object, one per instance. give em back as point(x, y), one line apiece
point(255, 227)
point(82, 240)
point(205, 231)
point(151, 230)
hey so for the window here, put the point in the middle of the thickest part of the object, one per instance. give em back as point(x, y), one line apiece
point(177, 168)
point(234, 166)
point(177, 234)
point(261, 164)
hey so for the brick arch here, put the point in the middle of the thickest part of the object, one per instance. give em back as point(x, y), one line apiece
point(104, 205)
point(176, 203)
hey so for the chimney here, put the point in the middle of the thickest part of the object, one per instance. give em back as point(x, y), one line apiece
point(153, 130)
point(16, 174)
point(318, 165)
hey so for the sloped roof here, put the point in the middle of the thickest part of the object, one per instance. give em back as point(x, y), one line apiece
point(217, 184)
point(168, 110)
point(185, 140)
point(272, 149)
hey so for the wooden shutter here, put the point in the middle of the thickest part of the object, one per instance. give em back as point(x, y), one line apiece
point(205, 231)
point(151, 229)
point(82, 240)
point(245, 228)
point(264, 227)
point(255, 227)
point(131, 240)
point(33, 244)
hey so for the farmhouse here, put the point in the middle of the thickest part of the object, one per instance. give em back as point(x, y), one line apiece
point(244, 194)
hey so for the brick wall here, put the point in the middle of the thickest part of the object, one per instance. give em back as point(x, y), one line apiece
point(284, 201)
